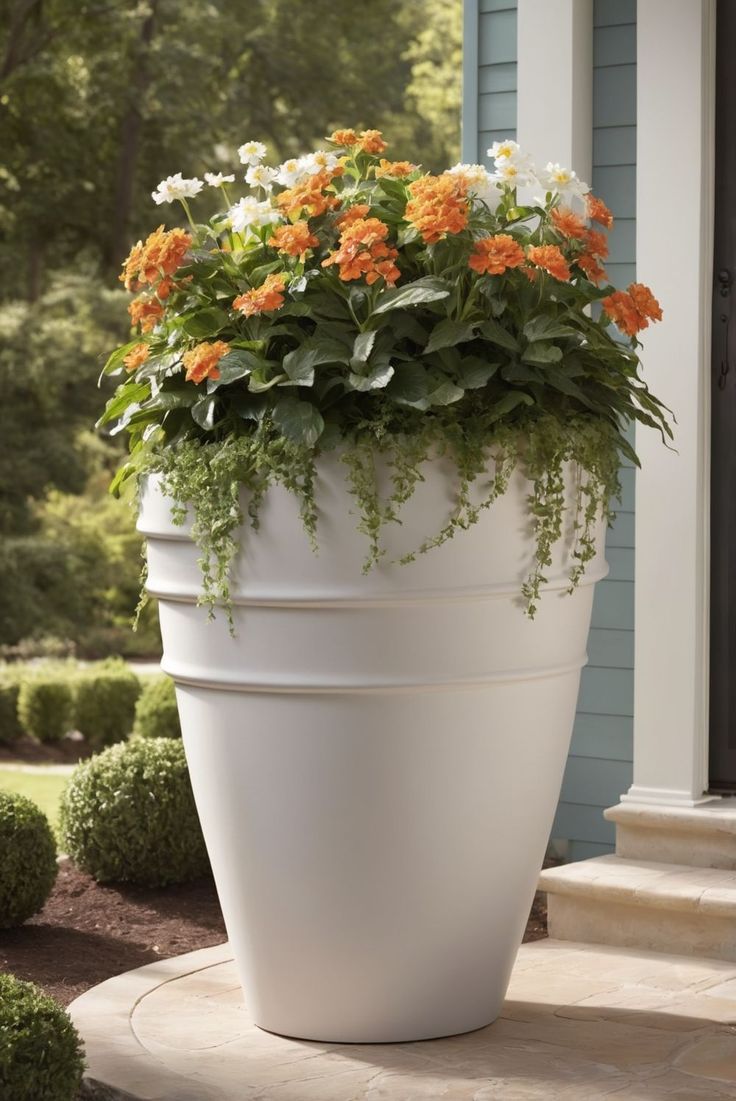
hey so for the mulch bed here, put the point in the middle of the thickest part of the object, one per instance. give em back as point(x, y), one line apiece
point(87, 933)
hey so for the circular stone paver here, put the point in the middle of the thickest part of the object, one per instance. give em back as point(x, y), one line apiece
point(580, 1022)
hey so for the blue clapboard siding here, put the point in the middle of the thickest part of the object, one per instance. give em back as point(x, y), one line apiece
point(489, 76)
point(599, 767)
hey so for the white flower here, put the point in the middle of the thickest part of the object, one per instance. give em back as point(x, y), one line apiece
point(216, 179)
point(514, 173)
point(252, 152)
point(174, 187)
point(316, 162)
point(259, 175)
point(480, 183)
point(290, 172)
point(564, 181)
point(506, 151)
point(248, 213)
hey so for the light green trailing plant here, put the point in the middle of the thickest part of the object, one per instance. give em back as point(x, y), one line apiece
point(356, 305)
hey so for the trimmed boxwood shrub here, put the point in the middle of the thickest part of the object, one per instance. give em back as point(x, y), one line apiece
point(45, 707)
point(41, 1055)
point(104, 706)
point(128, 814)
point(10, 728)
point(27, 859)
point(156, 714)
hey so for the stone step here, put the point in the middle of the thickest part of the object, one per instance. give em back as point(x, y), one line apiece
point(644, 904)
point(702, 836)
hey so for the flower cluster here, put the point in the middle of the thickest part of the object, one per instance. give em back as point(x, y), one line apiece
point(341, 297)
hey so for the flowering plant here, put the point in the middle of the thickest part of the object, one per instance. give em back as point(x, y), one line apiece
point(356, 302)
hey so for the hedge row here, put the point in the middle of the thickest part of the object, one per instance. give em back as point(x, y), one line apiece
point(105, 703)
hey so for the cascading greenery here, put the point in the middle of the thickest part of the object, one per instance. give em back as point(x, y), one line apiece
point(363, 308)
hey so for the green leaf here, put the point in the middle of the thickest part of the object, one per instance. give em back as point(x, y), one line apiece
point(496, 334)
point(378, 377)
point(449, 333)
point(428, 289)
point(115, 360)
point(475, 372)
point(203, 411)
point(299, 365)
point(445, 394)
point(259, 380)
point(410, 383)
point(362, 347)
point(236, 364)
point(520, 372)
point(179, 398)
point(508, 402)
point(545, 328)
point(298, 420)
point(207, 322)
point(129, 393)
point(542, 352)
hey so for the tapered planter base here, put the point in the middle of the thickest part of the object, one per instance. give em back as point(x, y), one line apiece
point(376, 760)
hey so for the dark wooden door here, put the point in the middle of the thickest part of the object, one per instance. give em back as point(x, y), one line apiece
point(723, 440)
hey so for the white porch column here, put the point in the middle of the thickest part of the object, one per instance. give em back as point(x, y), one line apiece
point(555, 82)
point(675, 151)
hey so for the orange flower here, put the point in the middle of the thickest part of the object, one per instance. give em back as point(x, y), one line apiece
point(645, 302)
point(293, 240)
point(309, 195)
point(531, 273)
point(269, 296)
point(493, 255)
point(344, 137)
point(136, 357)
point(396, 169)
point(592, 268)
point(598, 211)
point(632, 310)
point(596, 244)
point(145, 311)
point(550, 259)
point(201, 361)
point(363, 252)
point(438, 206)
point(568, 223)
point(352, 214)
point(162, 253)
point(371, 141)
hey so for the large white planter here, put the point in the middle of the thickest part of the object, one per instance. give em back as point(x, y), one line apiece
point(376, 759)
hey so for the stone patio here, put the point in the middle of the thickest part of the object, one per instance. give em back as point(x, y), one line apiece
point(580, 1022)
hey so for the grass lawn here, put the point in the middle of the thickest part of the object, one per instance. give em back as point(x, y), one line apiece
point(44, 788)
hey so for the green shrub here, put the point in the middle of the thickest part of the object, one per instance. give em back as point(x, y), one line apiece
point(45, 707)
point(27, 859)
point(104, 705)
point(156, 714)
point(41, 1055)
point(128, 814)
point(10, 728)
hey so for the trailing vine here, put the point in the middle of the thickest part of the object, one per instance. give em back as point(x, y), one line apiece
point(222, 486)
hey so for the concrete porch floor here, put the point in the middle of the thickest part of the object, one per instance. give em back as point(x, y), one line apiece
point(580, 1021)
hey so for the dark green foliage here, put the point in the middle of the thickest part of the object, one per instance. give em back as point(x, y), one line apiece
point(27, 860)
point(41, 1055)
point(45, 706)
point(156, 714)
point(10, 728)
point(128, 814)
point(104, 705)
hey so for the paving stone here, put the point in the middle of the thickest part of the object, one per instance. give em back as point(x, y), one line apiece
point(581, 1022)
